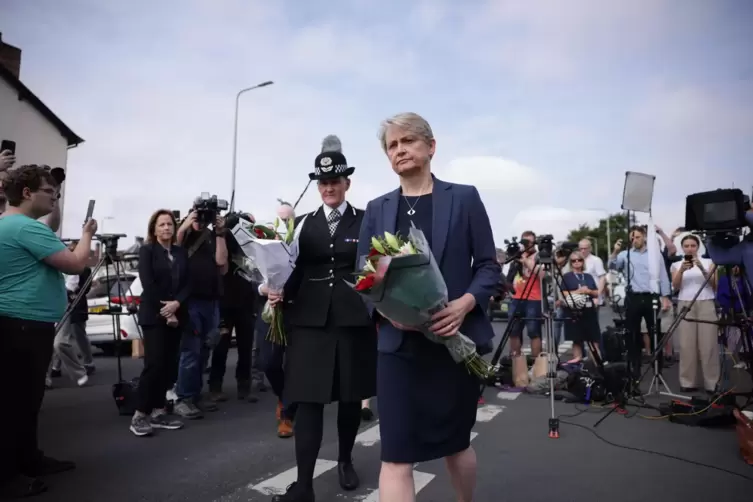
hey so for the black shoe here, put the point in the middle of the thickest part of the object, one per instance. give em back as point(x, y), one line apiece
point(296, 493)
point(55, 373)
point(367, 415)
point(90, 370)
point(46, 466)
point(21, 487)
point(348, 477)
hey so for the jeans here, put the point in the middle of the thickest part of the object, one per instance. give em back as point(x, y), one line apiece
point(194, 351)
point(243, 321)
point(271, 362)
point(531, 311)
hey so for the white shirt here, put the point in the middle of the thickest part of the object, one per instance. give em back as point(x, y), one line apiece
point(71, 282)
point(692, 280)
point(340, 209)
point(594, 266)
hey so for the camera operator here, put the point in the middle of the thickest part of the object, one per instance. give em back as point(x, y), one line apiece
point(639, 297)
point(236, 312)
point(207, 263)
point(32, 300)
point(524, 270)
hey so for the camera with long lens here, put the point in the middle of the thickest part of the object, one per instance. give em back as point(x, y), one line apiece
point(565, 249)
point(208, 207)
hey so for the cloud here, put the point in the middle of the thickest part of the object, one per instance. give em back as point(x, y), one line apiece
point(543, 108)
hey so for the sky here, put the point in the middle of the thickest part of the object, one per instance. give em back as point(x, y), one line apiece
point(543, 106)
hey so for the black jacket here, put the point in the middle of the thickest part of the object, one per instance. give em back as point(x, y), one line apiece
point(162, 280)
point(316, 291)
point(80, 312)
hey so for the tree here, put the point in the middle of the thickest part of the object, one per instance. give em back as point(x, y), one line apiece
point(598, 234)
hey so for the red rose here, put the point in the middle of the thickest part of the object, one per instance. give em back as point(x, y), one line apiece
point(259, 233)
point(374, 253)
point(366, 283)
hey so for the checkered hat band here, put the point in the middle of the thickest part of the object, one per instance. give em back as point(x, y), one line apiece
point(340, 168)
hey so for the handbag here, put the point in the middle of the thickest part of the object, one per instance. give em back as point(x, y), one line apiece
point(576, 301)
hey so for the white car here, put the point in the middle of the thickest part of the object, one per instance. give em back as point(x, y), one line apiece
point(107, 304)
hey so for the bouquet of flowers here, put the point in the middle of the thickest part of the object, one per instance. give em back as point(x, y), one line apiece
point(402, 280)
point(270, 256)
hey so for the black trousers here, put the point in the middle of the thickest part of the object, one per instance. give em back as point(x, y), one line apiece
point(161, 352)
point(25, 353)
point(640, 307)
point(244, 322)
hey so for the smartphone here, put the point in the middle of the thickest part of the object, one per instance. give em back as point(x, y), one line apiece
point(8, 145)
point(688, 257)
point(90, 210)
point(176, 214)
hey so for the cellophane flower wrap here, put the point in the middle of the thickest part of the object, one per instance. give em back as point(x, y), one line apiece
point(270, 257)
point(402, 280)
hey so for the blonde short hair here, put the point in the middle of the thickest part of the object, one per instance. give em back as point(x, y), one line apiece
point(408, 121)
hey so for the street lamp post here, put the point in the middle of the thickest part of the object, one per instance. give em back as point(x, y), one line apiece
point(235, 138)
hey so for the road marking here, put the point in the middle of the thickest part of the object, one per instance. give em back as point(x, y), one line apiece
point(508, 396)
point(420, 480)
point(487, 412)
point(369, 437)
point(473, 435)
point(278, 484)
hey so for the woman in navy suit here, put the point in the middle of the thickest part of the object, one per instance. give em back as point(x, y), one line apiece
point(427, 402)
point(163, 271)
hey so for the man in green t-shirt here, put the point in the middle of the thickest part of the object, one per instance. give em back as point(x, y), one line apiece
point(32, 300)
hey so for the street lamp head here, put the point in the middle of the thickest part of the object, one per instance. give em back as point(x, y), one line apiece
point(264, 84)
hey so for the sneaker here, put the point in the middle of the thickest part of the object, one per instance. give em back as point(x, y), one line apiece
point(205, 405)
point(21, 487)
point(187, 410)
point(141, 427)
point(217, 396)
point(82, 381)
point(90, 369)
point(163, 421)
point(246, 392)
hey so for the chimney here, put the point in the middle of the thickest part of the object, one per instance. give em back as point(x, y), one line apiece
point(10, 57)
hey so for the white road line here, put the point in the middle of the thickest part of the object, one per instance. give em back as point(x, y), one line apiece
point(278, 484)
point(473, 435)
point(508, 396)
point(487, 412)
point(369, 437)
point(420, 480)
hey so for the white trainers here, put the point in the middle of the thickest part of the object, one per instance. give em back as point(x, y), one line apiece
point(82, 381)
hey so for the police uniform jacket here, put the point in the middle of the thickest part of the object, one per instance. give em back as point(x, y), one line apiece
point(331, 352)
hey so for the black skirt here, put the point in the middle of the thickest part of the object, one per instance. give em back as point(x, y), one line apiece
point(427, 403)
point(323, 365)
point(583, 326)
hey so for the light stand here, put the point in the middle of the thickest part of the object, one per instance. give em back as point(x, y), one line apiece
point(658, 378)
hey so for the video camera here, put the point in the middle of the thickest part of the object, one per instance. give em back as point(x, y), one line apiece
point(722, 211)
point(208, 207)
point(545, 244)
point(565, 249)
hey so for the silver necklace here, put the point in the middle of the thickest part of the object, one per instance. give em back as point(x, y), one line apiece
point(411, 211)
point(411, 207)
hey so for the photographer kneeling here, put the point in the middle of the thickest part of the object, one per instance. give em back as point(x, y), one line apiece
point(32, 299)
point(207, 263)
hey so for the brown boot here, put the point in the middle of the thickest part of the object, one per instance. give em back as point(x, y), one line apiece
point(285, 428)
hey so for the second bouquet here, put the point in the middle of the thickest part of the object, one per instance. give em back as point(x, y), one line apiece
point(273, 257)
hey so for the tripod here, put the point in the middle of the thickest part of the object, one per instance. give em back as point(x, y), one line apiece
point(108, 258)
point(657, 366)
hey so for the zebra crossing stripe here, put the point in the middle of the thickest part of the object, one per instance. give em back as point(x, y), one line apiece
point(369, 437)
point(487, 412)
point(278, 484)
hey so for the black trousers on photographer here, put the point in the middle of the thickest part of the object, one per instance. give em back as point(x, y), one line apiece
point(640, 307)
point(243, 320)
point(25, 353)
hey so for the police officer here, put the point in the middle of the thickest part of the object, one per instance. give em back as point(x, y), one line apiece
point(331, 354)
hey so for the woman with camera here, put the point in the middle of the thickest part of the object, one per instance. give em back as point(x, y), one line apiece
point(697, 340)
point(163, 270)
point(580, 291)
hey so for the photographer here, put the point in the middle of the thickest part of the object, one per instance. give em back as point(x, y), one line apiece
point(207, 263)
point(32, 300)
point(236, 312)
point(526, 279)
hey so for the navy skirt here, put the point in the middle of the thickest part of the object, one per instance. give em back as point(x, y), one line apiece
point(427, 403)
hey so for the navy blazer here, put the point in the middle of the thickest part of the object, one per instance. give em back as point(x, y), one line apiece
point(463, 245)
point(162, 280)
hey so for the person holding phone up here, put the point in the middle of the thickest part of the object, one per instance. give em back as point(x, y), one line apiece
point(7, 159)
point(697, 340)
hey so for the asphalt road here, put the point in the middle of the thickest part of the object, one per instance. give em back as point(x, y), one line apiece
point(234, 454)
